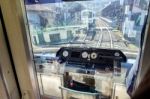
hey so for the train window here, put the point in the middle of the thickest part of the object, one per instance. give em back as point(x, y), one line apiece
point(101, 24)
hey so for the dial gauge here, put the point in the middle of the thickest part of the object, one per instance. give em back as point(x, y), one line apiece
point(94, 55)
point(84, 55)
point(65, 53)
point(117, 54)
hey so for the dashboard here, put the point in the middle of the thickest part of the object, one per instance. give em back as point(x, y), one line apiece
point(91, 57)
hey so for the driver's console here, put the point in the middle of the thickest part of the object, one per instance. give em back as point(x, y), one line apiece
point(91, 58)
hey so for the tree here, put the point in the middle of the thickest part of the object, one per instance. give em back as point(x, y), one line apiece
point(43, 21)
point(43, 24)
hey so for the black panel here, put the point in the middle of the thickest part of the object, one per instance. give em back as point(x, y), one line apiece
point(105, 57)
point(75, 54)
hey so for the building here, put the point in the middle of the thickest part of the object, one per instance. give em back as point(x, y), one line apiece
point(44, 26)
point(135, 13)
point(39, 17)
point(114, 12)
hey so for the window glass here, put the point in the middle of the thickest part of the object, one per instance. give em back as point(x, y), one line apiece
point(108, 24)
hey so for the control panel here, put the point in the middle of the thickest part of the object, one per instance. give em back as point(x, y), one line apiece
point(91, 57)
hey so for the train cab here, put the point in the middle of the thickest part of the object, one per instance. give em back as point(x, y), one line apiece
point(74, 49)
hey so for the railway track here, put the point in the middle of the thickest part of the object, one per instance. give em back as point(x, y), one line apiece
point(101, 38)
point(111, 40)
point(109, 36)
point(85, 39)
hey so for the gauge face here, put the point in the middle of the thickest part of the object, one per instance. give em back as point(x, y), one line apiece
point(93, 55)
point(65, 53)
point(84, 55)
point(117, 54)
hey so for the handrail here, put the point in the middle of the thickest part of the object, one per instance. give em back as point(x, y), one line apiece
point(88, 93)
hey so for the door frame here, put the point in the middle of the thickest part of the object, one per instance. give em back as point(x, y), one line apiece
point(18, 37)
point(8, 81)
point(18, 29)
point(4, 91)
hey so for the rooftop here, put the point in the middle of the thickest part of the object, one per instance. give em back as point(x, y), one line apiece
point(41, 7)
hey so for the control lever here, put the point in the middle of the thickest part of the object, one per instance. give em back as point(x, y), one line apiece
point(117, 68)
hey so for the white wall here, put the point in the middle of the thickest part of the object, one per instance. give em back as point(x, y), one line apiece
point(63, 34)
point(46, 37)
